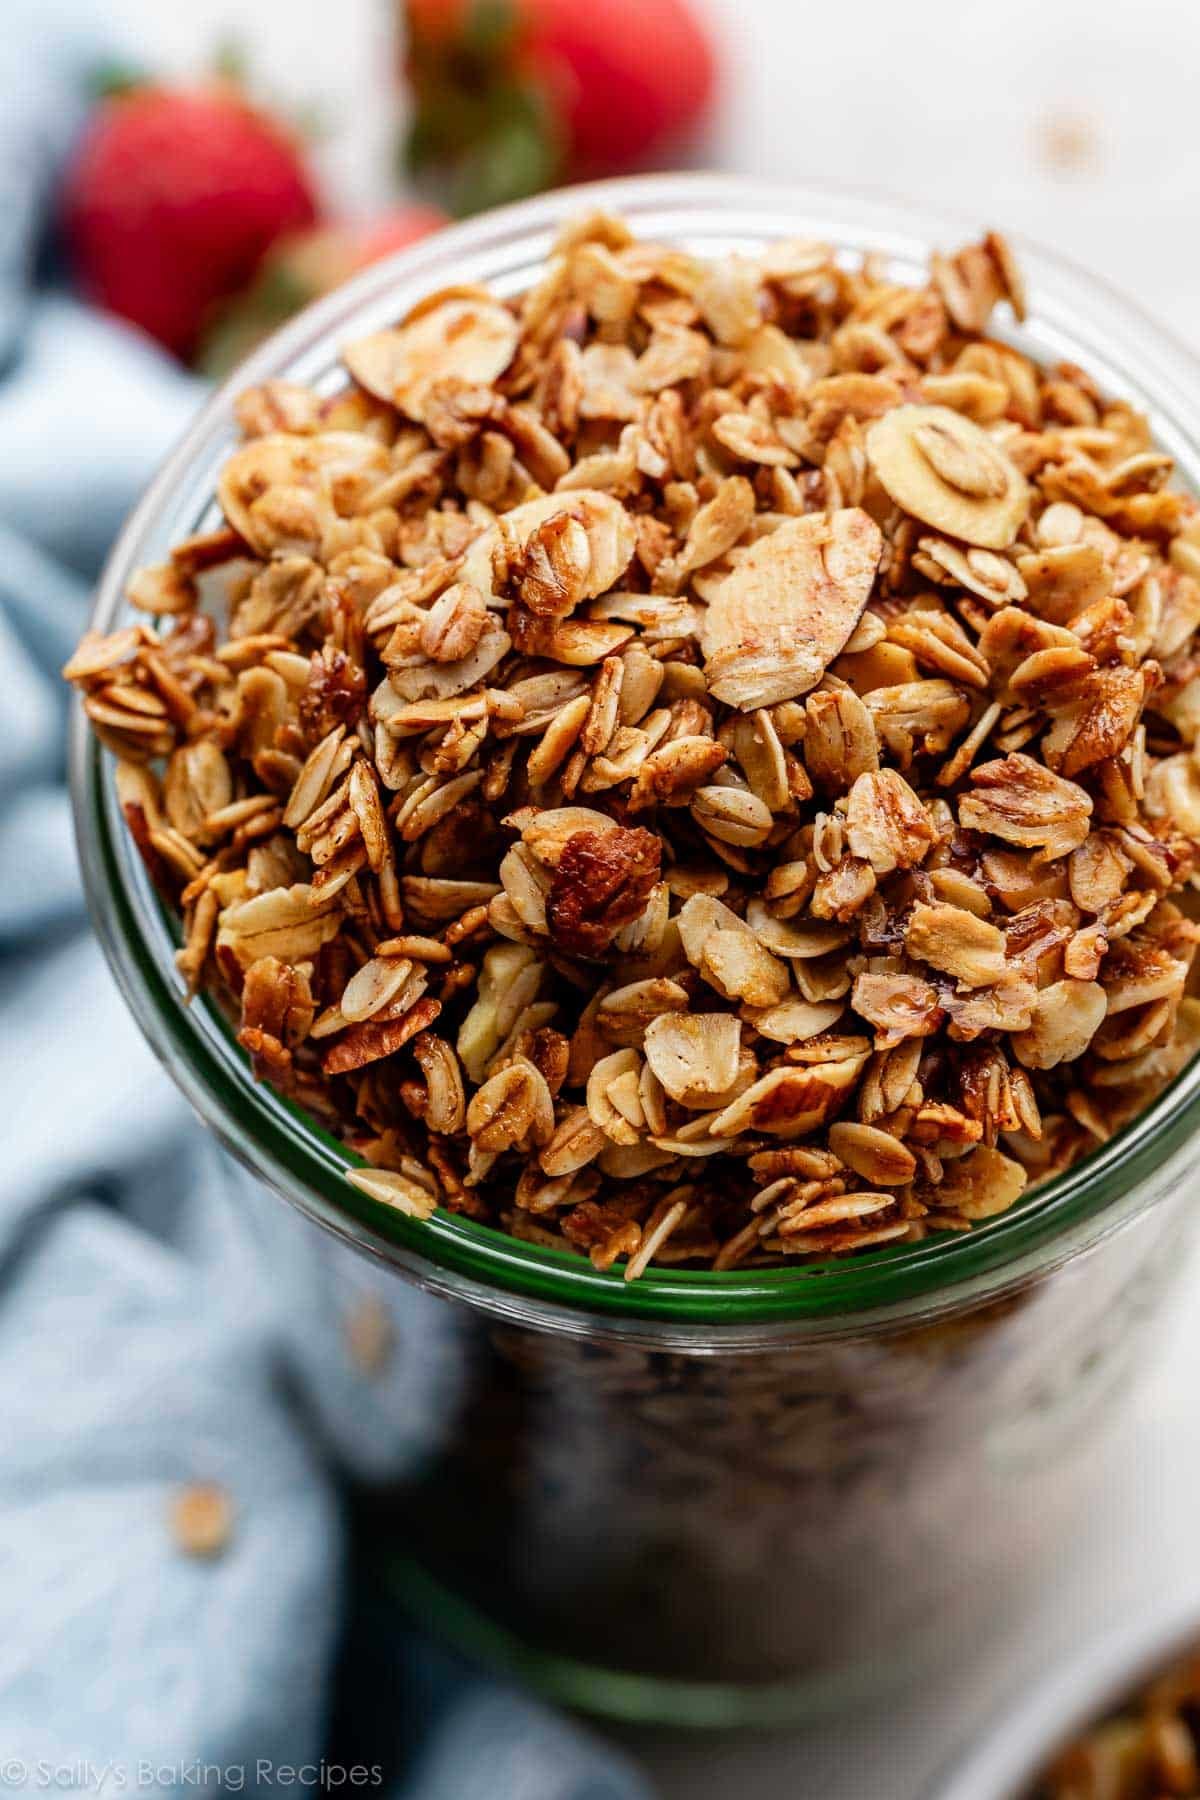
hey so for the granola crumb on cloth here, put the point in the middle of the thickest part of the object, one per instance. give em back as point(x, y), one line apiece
point(697, 765)
point(202, 1519)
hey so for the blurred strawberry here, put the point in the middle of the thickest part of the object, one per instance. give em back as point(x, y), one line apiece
point(173, 198)
point(374, 239)
point(302, 267)
point(514, 95)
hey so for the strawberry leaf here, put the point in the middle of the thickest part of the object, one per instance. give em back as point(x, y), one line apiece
point(109, 79)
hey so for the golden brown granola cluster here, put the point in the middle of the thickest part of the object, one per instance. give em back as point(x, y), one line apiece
point(695, 764)
point(1150, 1750)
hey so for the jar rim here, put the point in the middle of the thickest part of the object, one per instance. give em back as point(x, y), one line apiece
point(1075, 316)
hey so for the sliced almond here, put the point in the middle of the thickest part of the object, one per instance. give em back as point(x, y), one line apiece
point(393, 1189)
point(291, 923)
point(288, 463)
point(982, 1183)
point(468, 340)
point(792, 1021)
point(580, 643)
point(802, 940)
point(602, 1111)
point(373, 986)
point(758, 749)
point(1067, 1015)
point(701, 915)
point(875, 1155)
point(946, 471)
point(949, 938)
point(694, 1055)
point(547, 834)
point(737, 965)
point(775, 624)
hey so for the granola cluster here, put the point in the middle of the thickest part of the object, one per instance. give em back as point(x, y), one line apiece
point(1150, 1750)
point(696, 764)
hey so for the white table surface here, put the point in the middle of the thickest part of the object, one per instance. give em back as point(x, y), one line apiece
point(1076, 124)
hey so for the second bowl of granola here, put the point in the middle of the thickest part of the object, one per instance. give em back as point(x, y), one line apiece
point(1119, 1720)
point(668, 749)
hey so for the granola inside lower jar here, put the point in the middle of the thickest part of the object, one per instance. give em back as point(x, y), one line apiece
point(692, 766)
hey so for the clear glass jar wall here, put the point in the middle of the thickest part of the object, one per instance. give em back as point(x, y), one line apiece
point(794, 1525)
point(712, 1496)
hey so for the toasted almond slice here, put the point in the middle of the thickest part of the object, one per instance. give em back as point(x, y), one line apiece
point(291, 923)
point(623, 1093)
point(467, 339)
point(581, 642)
point(624, 1015)
point(436, 899)
point(778, 620)
point(699, 917)
point(792, 1021)
point(601, 1110)
point(805, 939)
point(526, 887)
point(946, 471)
point(694, 1055)
point(576, 1142)
point(981, 1184)
point(877, 1156)
point(286, 461)
point(314, 780)
point(737, 965)
point(546, 834)
point(395, 1190)
point(1066, 1018)
point(970, 949)
point(370, 988)
point(97, 655)
point(445, 1100)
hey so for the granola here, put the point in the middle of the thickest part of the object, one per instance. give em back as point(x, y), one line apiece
point(1150, 1747)
point(201, 1519)
point(697, 764)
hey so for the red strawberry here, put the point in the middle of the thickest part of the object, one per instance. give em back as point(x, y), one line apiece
point(374, 239)
point(172, 199)
point(300, 268)
point(513, 95)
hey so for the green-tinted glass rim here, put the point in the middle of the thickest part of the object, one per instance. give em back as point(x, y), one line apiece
point(1080, 317)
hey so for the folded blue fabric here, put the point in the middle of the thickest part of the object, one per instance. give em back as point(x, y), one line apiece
point(163, 1320)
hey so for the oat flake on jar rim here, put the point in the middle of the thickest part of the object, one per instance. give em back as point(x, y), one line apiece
point(708, 1498)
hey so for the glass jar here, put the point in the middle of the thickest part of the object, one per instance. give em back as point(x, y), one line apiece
point(699, 1496)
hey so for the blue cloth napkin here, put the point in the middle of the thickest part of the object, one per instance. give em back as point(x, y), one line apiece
point(163, 1320)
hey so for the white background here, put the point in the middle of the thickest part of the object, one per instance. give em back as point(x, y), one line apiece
point(1075, 122)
